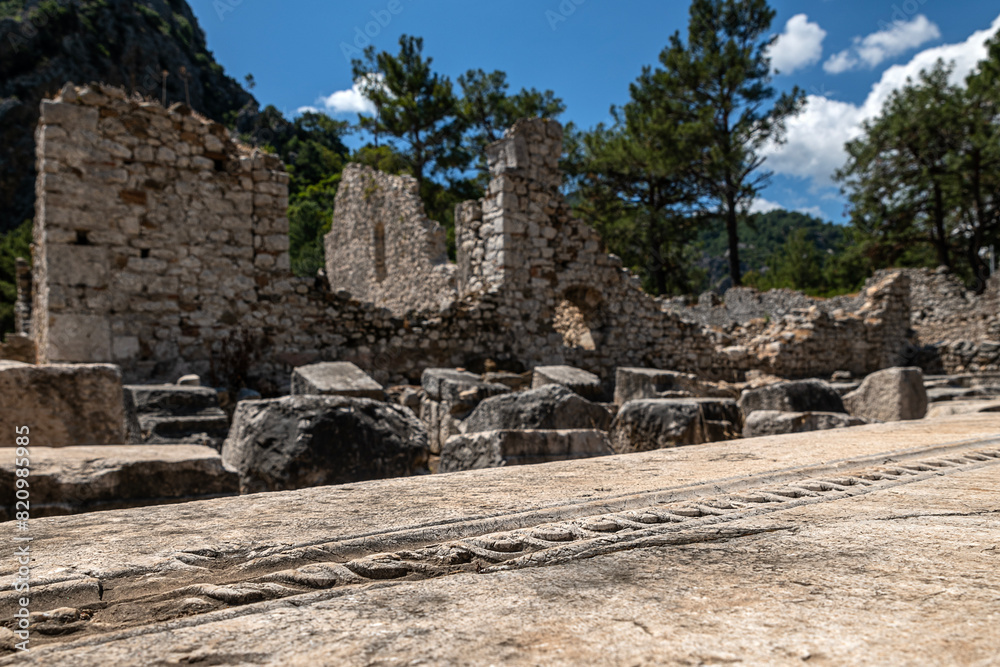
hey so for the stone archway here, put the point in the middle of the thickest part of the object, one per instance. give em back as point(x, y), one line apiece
point(578, 317)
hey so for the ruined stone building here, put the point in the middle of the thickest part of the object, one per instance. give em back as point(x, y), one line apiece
point(161, 245)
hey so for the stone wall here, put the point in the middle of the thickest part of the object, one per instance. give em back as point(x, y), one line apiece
point(154, 232)
point(383, 248)
point(161, 245)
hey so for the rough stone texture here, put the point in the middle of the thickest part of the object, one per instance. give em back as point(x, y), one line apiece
point(179, 414)
point(658, 423)
point(70, 480)
point(63, 405)
point(896, 568)
point(635, 383)
point(337, 378)
point(155, 234)
point(449, 396)
point(586, 384)
point(383, 248)
point(893, 394)
point(18, 347)
point(551, 407)
point(797, 396)
point(773, 422)
point(300, 441)
point(492, 449)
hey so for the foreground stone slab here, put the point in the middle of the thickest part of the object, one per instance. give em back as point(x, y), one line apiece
point(874, 545)
point(492, 449)
point(582, 382)
point(893, 394)
point(70, 480)
point(299, 441)
point(962, 407)
point(335, 378)
point(62, 404)
point(773, 422)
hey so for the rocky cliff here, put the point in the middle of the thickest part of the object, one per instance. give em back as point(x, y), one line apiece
point(128, 43)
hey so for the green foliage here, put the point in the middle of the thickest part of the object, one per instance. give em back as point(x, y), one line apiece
point(184, 31)
point(718, 84)
point(15, 243)
point(11, 9)
point(415, 107)
point(924, 178)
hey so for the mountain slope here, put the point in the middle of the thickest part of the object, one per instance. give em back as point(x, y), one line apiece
point(45, 43)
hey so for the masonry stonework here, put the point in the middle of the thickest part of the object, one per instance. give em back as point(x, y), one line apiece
point(161, 245)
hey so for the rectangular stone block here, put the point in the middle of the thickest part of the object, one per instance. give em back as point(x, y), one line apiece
point(582, 382)
point(338, 378)
point(63, 405)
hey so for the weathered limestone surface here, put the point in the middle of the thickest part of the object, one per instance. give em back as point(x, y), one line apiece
point(895, 567)
point(962, 407)
point(63, 405)
point(70, 480)
point(656, 423)
point(774, 422)
point(893, 394)
point(582, 382)
point(492, 449)
point(300, 441)
point(337, 378)
point(796, 396)
point(550, 407)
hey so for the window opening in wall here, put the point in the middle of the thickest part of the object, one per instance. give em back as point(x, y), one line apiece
point(379, 241)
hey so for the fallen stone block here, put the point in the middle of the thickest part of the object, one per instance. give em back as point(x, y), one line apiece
point(893, 394)
point(300, 441)
point(449, 386)
point(449, 397)
point(773, 422)
point(794, 396)
point(335, 378)
point(658, 423)
point(552, 407)
point(582, 382)
point(635, 383)
point(63, 405)
point(491, 449)
point(179, 414)
point(69, 480)
point(516, 381)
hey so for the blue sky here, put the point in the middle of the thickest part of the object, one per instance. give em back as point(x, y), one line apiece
point(848, 55)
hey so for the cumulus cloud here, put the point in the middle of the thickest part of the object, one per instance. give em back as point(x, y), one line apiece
point(815, 141)
point(352, 100)
point(873, 49)
point(761, 205)
point(800, 45)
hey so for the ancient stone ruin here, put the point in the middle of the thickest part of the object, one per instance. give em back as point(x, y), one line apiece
point(161, 246)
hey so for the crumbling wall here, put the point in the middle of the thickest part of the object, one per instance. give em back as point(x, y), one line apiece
point(154, 232)
point(161, 245)
point(383, 248)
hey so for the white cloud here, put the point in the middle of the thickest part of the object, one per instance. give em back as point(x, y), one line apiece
point(307, 109)
point(815, 141)
point(873, 49)
point(800, 45)
point(352, 100)
point(761, 205)
point(814, 211)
